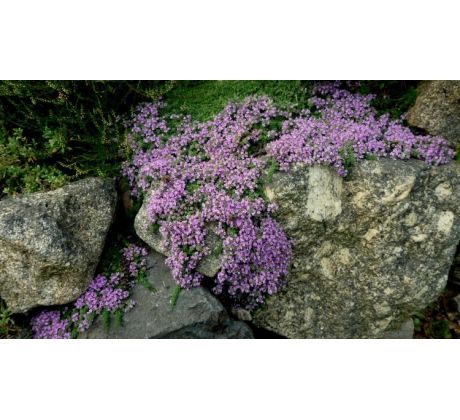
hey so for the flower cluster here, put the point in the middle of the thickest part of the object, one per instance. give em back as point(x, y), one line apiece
point(257, 262)
point(135, 260)
point(105, 294)
point(343, 127)
point(204, 176)
point(50, 324)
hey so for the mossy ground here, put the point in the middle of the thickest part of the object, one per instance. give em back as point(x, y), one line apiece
point(205, 99)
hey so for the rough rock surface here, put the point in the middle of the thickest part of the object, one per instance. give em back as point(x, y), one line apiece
point(50, 243)
point(455, 269)
point(209, 266)
point(368, 251)
point(197, 314)
point(437, 109)
point(406, 331)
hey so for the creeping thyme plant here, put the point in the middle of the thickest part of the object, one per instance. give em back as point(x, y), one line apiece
point(341, 124)
point(206, 176)
point(199, 177)
point(107, 296)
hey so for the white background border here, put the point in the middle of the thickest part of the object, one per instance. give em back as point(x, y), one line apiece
point(282, 379)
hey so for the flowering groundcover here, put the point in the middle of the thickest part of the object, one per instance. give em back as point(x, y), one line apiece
point(202, 174)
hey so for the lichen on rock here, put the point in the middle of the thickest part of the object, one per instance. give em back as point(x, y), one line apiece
point(50, 243)
point(363, 271)
point(437, 109)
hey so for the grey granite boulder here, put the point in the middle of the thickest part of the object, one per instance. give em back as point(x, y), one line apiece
point(368, 251)
point(196, 314)
point(50, 243)
point(437, 109)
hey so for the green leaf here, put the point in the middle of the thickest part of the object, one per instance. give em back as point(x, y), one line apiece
point(175, 295)
point(106, 318)
point(154, 228)
point(118, 314)
point(143, 281)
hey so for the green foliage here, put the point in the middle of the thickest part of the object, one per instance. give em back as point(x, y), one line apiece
point(440, 329)
point(259, 191)
point(144, 281)
point(393, 96)
point(440, 319)
point(175, 295)
point(191, 187)
point(74, 333)
point(272, 168)
point(431, 328)
point(106, 318)
point(118, 315)
point(232, 231)
point(111, 260)
point(52, 132)
point(21, 167)
point(348, 155)
point(205, 99)
point(218, 250)
point(154, 228)
point(193, 149)
point(7, 325)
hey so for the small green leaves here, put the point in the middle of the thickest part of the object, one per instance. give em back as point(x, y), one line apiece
point(154, 228)
point(232, 231)
point(143, 281)
point(272, 168)
point(188, 250)
point(118, 315)
point(57, 140)
point(7, 325)
point(348, 155)
point(218, 250)
point(175, 295)
point(74, 333)
point(193, 149)
point(193, 186)
point(106, 318)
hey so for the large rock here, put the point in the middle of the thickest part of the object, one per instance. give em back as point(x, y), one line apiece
point(50, 243)
point(437, 109)
point(368, 251)
point(197, 314)
point(209, 266)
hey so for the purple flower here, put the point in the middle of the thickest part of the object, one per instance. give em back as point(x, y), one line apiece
point(346, 126)
point(207, 176)
point(204, 175)
point(49, 324)
point(105, 293)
